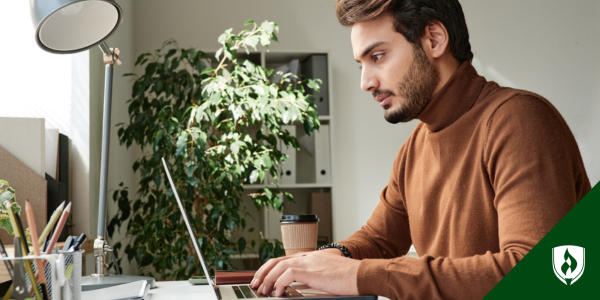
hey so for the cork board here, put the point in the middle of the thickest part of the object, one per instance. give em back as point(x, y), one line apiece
point(28, 185)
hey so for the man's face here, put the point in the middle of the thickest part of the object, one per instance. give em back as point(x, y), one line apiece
point(397, 73)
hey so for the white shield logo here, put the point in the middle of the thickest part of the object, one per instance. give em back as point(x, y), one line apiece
point(568, 263)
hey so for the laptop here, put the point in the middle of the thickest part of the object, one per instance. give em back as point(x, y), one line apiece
point(296, 290)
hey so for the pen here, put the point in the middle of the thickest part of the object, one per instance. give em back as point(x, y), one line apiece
point(36, 249)
point(58, 229)
point(74, 248)
point(44, 246)
point(69, 242)
point(79, 242)
point(22, 232)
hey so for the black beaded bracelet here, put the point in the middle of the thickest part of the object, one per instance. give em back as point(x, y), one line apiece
point(339, 247)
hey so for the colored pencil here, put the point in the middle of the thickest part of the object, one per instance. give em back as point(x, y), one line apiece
point(27, 263)
point(36, 246)
point(51, 222)
point(59, 228)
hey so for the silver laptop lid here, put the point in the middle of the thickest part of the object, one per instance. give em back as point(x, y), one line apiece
point(191, 230)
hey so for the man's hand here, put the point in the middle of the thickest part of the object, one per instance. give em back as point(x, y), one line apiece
point(327, 270)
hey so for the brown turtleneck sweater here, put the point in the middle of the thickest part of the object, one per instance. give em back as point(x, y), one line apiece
point(484, 176)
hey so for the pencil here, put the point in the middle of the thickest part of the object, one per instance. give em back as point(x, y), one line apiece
point(51, 222)
point(59, 228)
point(36, 246)
point(27, 263)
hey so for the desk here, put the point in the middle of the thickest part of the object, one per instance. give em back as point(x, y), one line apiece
point(183, 290)
point(180, 290)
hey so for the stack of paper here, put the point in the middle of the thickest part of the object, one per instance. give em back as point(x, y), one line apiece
point(128, 291)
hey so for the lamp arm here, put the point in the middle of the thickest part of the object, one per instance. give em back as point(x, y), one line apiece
point(111, 57)
point(104, 47)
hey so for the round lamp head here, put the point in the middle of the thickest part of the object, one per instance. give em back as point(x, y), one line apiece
point(68, 26)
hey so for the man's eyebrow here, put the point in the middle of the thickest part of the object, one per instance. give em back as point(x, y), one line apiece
point(370, 48)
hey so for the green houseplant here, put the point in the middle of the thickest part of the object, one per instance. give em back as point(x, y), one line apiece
point(218, 127)
point(7, 193)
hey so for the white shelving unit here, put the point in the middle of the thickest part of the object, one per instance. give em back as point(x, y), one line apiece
point(274, 59)
point(305, 182)
point(266, 221)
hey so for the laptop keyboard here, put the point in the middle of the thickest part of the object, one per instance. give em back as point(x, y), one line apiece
point(245, 292)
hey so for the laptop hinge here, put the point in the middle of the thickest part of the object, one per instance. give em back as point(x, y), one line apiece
point(217, 291)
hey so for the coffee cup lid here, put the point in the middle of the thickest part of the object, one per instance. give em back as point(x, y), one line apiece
point(299, 218)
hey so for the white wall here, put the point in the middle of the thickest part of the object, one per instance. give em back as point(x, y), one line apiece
point(548, 47)
point(57, 90)
point(539, 45)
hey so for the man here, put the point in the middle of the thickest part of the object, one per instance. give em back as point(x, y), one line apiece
point(484, 176)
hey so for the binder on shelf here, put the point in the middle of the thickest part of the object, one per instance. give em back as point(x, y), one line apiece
point(315, 66)
point(291, 67)
point(320, 204)
point(268, 178)
point(305, 168)
point(322, 155)
point(272, 227)
point(287, 174)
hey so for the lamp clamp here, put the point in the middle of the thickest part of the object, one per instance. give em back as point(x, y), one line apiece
point(111, 55)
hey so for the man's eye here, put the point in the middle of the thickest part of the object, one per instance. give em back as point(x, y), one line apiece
point(377, 57)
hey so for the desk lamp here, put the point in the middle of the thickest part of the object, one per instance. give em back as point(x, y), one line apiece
point(70, 26)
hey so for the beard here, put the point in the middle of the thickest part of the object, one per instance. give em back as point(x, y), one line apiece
point(416, 88)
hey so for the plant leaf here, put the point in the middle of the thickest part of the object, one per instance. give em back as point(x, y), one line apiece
point(267, 27)
point(308, 126)
point(253, 176)
point(6, 196)
point(251, 41)
point(222, 39)
point(241, 245)
point(286, 117)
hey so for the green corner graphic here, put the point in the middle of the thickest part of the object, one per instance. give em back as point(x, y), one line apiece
point(536, 276)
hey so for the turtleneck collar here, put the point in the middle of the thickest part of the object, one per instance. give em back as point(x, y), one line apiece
point(455, 98)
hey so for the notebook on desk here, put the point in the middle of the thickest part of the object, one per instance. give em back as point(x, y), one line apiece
point(233, 277)
point(243, 291)
point(136, 290)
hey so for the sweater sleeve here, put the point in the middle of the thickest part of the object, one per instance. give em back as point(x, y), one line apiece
point(537, 175)
point(374, 240)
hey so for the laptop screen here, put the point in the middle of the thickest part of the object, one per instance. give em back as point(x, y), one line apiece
point(190, 229)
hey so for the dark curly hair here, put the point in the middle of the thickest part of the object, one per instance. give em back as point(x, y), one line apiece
point(411, 17)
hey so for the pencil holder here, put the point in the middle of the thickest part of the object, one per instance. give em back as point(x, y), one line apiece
point(73, 269)
point(62, 273)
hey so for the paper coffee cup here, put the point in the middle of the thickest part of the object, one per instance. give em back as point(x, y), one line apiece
point(299, 233)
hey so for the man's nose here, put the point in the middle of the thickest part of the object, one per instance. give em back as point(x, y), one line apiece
point(368, 81)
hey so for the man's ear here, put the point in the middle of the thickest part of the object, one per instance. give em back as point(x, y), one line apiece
point(435, 40)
